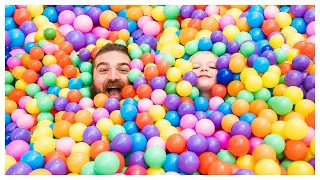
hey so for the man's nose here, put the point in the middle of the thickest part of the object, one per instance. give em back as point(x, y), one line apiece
point(114, 74)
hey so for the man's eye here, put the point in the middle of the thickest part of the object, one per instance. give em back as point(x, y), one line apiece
point(102, 70)
point(123, 70)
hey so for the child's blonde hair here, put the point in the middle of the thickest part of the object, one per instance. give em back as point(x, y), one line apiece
point(201, 53)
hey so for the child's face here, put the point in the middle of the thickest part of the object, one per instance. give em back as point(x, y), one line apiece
point(204, 65)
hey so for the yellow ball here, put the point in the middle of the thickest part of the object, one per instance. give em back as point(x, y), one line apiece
point(174, 74)
point(177, 50)
point(39, 35)
point(276, 41)
point(21, 84)
point(312, 146)
point(167, 48)
point(9, 161)
point(116, 118)
point(132, 46)
point(203, 33)
point(31, 106)
point(170, 29)
point(230, 32)
point(287, 31)
point(157, 112)
point(236, 65)
point(292, 53)
point(49, 60)
point(169, 38)
point(90, 47)
point(294, 93)
point(45, 123)
point(246, 162)
point(270, 79)
point(39, 20)
point(64, 92)
point(168, 131)
point(283, 19)
point(184, 88)
point(155, 171)
point(267, 167)
point(47, 25)
point(276, 69)
point(278, 128)
point(101, 42)
point(295, 129)
point(103, 125)
point(90, 110)
point(305, 107)
point(185, 66)
point(81, 147)
point(157, 14)
point(124, 34)
point(72, 174)
point(253, 83)
point(162, 123)
point(309, 155)
point(76, 130)
point(294, 38)
point(178, 63)
point(44, 145)
point(62, 82)
point(216, 17)
point(234, 12)
point(18, 71)
point(246, 73)
point(136, 97)
point(300, 168)
point(42, 131)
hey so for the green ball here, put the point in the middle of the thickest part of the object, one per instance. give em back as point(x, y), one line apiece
point(171, 11)
point(247, 49)
point(169, 58)
point(42, 42)
point(135, 53)
point(276, 142)
point(8, 77)
point(19, 55)
point(121, 42)
point(263, 94)
point(271, 101)
point(280, 156)
point(226, 156)
point(49, 79)
point(8, 88)
point(49, 33)
point(126, 159)
point(171, 88)
point(75, 60)
point(196, 173)
point(246, 95)
point(191, 47)
point(171, 23)
point(282, 79)
point(39, 95)
point(219, 48)
point(282, 105)
point(281, 55)
point(130, 41)
point(106, 163)
point(242, 36)
point(155, 157)
point(86, 78)
point(286, 163)
point(32, 89)
point(134, 74)
point(124, 169)
point(231, 99)
point(115, 130)
point(45, 116)
point(45, 104)
point(85, 92)
point(194, 93)
point(86, 67)
point(88, 168)
point(145, 48)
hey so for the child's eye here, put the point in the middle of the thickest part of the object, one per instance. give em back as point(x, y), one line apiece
point(212, 67)
point(195, 67)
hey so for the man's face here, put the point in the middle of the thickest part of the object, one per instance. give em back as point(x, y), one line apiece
point(110, 73)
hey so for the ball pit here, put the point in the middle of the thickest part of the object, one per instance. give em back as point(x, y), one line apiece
point(257, 119)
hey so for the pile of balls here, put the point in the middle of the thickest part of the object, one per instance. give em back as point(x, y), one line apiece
point(260, 119)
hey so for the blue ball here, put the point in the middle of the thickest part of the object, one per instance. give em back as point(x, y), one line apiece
point(285, 9)
point(54, 90)
point(261, 64)
point(224, 76)
point(31, 146)
point(257, 8)
point(256, 34)
point(123, 13)
point(132, 26)
point(51, 13)
point(29, 46)
point(103, 7)
point(255, 19)
point(178, 32)
point(236, 76)
point(74, 83)
point(201, 103)
point(128, 112)
point(9, 23)
point(17, 38)
point(139, 142)
point(266, 48)
point(33, 158)
point(208, 112)
point(225, 108)
point(131, 101)
point(186, 56)
point(171, 163)
point(9, 10)
point(248, 117)
point(173, 117)
point(7, 118)
point(7, 137)
point(52, 125)
point(300, 25)
point(86, 8)
point(205, 44)
point(7, 50)
point(130, 127)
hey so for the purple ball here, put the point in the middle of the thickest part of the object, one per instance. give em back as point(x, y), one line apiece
point(157, 83)
point(11, 126)
point(122, 143)
point(186, 11)
point(7, 39)
point(84, 54)
point(56, 167)
point(140, 80)
point(224, 40)
point(309, 82)
point(186, 108)
point(298, 10)
point(73, 107)
point(191, 77)
point(199, 14)
point(270, 55)
point(94, 14)
point(112, 104)
point(251, 59)
point(197, 144)
point(19, 168)
point(20, 134)
point(137, 158)
point(216, 118)
point(137, 34)
point(91, 38)
point(304, 74)
point(223, 62)
point(147, 39)
point(91, 134)
point(293, 78)
point(200, 115)
point(241, 128)
point(312, 162)
point(188, 162)
point(28, 27)
point(309, 16)
point(172, 102)
point(301, 62)
point(304, 91)
point(244, 172)
point(61, 8)
point(44, 69)
point(233, 47)
point(150, 131)
point(213, 145)
point(118, 23)
point(79, 11)
point(244, 14)
point(60, 103)
point(77, 39)
point(311, 94)
point(216, 36)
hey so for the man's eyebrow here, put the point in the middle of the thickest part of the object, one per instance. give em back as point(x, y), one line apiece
point(123, 64)
point(102, 63)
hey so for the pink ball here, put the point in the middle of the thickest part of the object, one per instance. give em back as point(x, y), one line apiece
point(119, 174)
point(311, 28)
point(17, 148)
point(286, 47)
point(188, 121)
point(187, 133)
point(144, 105)
point(153, 53)
point(311, 39)
point(158, 58)
point(151, 28)
point(29, 38)
point(226, 20)
point(16, 113)
point(55, 68)
point(136, 64)
point(66, 17)
point(83, 23)
point(270, 12)
point(212, 9)
point(157, 141)
point(143, 20)
point(49, 48)
point(158, 96)
point(205, 127)
point(13, 62)
point(22, 102)
point(311, 133)
point(223, 137)
point(65, 29)
point(254, 142)
point(171, 173)
point(65, 145)
point(41, 84)
point(215, 102)
point(100, 113)
point(17, 51)
point(86, 103)
point(25, 121)
point(101, 32)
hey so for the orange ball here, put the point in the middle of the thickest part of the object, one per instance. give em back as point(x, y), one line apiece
point(55, 155)
point(185, 22)
point(176, 144)
point(187, 34)
point(106, 17)
point(269, 26)
point(150, 72)
point(16, 94)
point(219, 90)
point(279, 89)
point(100, 99)
point(20, 15)
point(243, 8)
point(256, 106)
point(243, 24)
point(94, 52)
point(35, 65)
point(58, 39)
point(269, 114)
point(295, 150)
point(143, 119)
point(239, 145)
point(234, 168)
point(25, 59)
point(186, 99)
point(163, 67)
point(10, 106)
point(70, 71)
point(234, 87)
point(40, 171)
point(59, 53)
point(121, 159)
point(61, 129)
point(69, 116)
point(98, 147)
point(64, 60)
point(128, 91)
point(310, 120)
point(195, 23)
point(285, 68)
point(263, 151)
point(261, 127)
point(74, 95)
point(116, 118)
point(147, 58)
point(219, 167)
point(36, 53)
point(118, 8)
point(144, 91)
point(113, 36)
point(228, 121)
point(202, 7)
point(58, 116)
point(66, 47)
point(210, 24)
point(293, 115)
point(75, 162)
point(30, 76)
point(84, 117)
point(134, 13)
point(206, 159)
point(240, 106)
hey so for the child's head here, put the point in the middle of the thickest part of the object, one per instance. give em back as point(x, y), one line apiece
point(204, 65)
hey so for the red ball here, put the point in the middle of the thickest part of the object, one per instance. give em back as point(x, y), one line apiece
point(143, 119)
point(128, 91)
point(74, 95)
point(163, 67)
point(135, 170)
point(21, 15)
point(16, 94)
point(176, 144)
point(150, 72)
point(144, 91)
point(147, 58)
point(270, 26)
point(239, 145)
point(206, 159)
point(219, 90)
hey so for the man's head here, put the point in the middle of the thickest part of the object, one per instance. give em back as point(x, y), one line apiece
point(110, 70)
